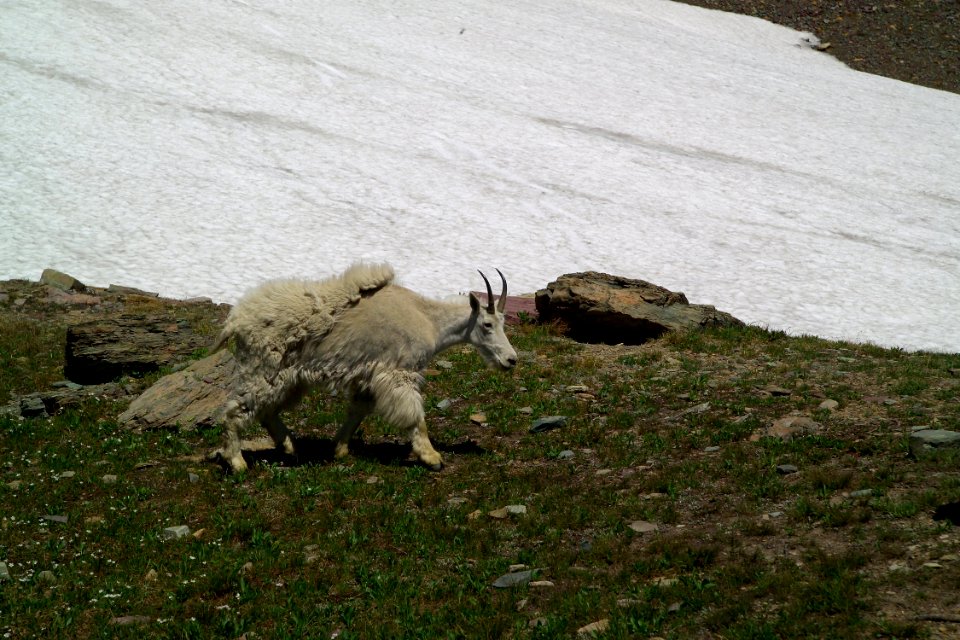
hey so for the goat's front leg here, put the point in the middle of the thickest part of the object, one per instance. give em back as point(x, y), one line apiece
point(279, 433)
point(360, 407)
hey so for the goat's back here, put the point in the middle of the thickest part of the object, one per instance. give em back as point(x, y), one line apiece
point(280, 313)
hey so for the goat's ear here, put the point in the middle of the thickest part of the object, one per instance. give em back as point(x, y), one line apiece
point(474, 303)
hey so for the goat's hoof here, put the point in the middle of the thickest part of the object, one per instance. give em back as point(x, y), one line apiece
point(341, 451)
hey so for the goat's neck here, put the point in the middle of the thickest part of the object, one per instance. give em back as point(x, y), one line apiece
point(452, 322)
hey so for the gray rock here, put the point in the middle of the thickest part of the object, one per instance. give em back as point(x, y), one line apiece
point(566, 454)
point(62, 281)
point(116, 288)
point(712, 449)
point(513, 579)
point(516, 509)
point(444, 404)
point(56, 519)
point(598, 307)
point(66, 384)
point(861, 493)
point(46, 577)
point(193, 397)
point(32, 407)
point(109, 479)
point(443, 364)
point(547, 423)
point(175, 533)
point(4, 572)
point(786, 469)
point(193, 478)
point(829, 405)
point(642, 526)
point(124, 621)
point(932, 439)
point(789, 427)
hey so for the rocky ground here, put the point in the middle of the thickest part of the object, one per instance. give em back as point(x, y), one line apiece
point(917, 41)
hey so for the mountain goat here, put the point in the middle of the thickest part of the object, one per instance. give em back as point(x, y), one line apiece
point(357, 333)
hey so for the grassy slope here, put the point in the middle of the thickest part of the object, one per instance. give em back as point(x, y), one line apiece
point(378, 547)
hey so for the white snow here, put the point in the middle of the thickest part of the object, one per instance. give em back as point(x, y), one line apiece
point(198, 148)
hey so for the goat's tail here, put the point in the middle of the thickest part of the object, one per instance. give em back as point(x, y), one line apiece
point(225, 334)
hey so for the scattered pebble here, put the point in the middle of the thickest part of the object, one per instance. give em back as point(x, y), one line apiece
point(712, 449)
point(861, 493)
point(829, 405)
point(642, 526)
point(174, 533)
point(527, 411)
point(478, 418)
point(444, 404)
point(594, 627)
point(4, 572)
point(541, 584)
point(786, 469)
point(547, 423)
point(566, 454)
point(57, 519)
point(109, 479)
point(513, 579)
point(46, 577)
point(193, 478)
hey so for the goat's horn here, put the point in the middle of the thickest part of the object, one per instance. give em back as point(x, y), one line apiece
point(489, 292)
point(502, 302)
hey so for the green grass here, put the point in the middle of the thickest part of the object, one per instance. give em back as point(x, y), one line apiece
point(375, 546)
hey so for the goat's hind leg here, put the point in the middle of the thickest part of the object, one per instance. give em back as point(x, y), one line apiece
point(235, 417)
point(400, 403)
point(361, 404)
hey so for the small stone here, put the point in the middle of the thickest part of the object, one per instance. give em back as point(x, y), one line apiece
point(373, 480)
point(478, 418)
point(537, 622)
point(786, 469)
point(4, 572)
point(933, 565)
point(57, 519)
point(712, 449)
point(198, 534)
point(174, 533)
point(673, 608)
point(603, 472)
point(193, 478)
point(578, 388)
point(444, 364)
point(247, 567)
point(473, 515)
point(566, 454)
point(150, 576)
point(14, 485)
point(541, 584)
point(67, 474)
point(703, 407)
point(777, 391)
point(594, 627)
point(124, 621)
point(499, 514)
point(642, 526)
point(513, 579)
point(666, 582)
point(46, 577)
point(861, 493)
point(109, 479)
point(527, 411)
point(67, 384)
point(516, 509)
point(456, 501)
point(444, 404)
point(829, 405)
point(788, 427)
point(547, 423)
point(516, 567)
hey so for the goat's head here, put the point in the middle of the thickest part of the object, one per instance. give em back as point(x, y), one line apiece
point(486, 330)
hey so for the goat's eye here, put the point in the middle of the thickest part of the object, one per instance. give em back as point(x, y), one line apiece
point(488, 325)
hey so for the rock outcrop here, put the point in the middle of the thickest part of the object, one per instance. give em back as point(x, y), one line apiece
point(101, 350)
point(186, 399)
point(597, 307)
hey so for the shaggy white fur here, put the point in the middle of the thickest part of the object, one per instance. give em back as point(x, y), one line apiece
point(358, 333)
